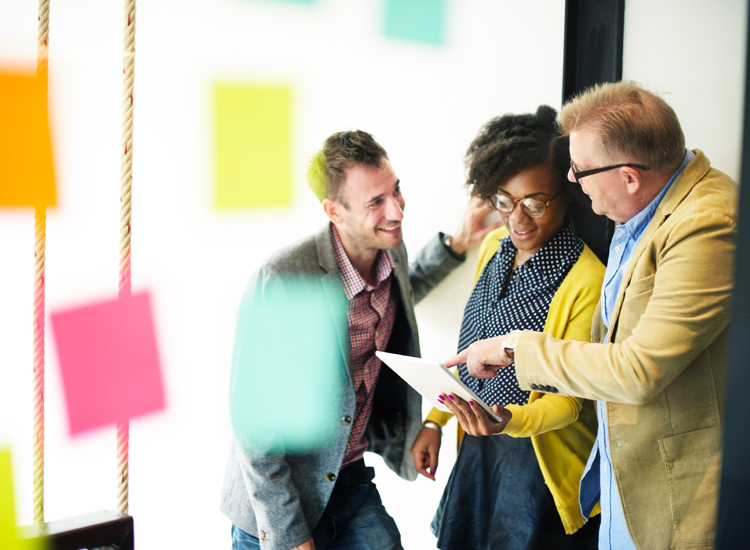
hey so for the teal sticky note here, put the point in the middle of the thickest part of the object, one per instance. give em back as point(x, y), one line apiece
point(417, 20)
point(288, 372)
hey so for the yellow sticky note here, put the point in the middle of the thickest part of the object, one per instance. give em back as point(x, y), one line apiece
point(253, 146)
point(8, 531)
point(7, 502)
point(26, 172)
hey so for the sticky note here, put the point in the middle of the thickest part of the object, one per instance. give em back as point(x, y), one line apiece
point(26, 172)
point(109, 362)
point(9, 539)
point(252, 127)
point(7, 501)
point(417, 20)
point(288, 372)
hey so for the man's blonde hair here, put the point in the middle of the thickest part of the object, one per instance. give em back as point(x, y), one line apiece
point(631, 124)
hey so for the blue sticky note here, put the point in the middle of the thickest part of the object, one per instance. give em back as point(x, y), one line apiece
point(417, 20)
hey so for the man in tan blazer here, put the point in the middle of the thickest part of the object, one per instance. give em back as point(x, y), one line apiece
point(657, 369)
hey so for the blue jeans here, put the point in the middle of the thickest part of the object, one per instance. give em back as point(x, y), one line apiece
point(354, 519)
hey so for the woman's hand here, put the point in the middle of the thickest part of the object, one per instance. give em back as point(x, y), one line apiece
point(425, 452)
point(472, 417)
point(470, 231)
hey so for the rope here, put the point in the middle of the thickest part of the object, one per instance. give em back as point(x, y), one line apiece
point(126, 178)
point(40, 247)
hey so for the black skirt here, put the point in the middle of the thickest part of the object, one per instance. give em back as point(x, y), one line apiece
point(496, 498)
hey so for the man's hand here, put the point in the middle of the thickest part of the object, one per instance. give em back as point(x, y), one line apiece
point(483, 358)
point(425, 452)
point(307, 545)
point(472, 417)
point(470, 232)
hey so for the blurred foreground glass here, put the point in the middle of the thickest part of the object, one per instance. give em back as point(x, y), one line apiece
point(288, 372)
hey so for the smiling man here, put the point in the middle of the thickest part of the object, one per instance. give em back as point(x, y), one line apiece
point(356, 265)
point(657, 363)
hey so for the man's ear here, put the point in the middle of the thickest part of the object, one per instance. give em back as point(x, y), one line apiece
point(631, 178)
point(333, 209)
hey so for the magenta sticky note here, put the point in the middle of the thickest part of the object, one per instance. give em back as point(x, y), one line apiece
point(109, 361)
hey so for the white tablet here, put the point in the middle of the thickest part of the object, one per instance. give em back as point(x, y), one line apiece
point(431, 378)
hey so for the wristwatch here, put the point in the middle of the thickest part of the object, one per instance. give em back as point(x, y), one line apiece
point(433, 426)
point(511, 340)
point(448, 245)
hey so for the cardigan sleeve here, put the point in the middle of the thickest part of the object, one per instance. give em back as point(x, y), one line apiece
point(549, 412)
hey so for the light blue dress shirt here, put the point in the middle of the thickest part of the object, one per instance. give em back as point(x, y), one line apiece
point(598, 482)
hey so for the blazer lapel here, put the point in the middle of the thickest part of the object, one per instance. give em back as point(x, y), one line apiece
point(693, 172)
point(335, 294)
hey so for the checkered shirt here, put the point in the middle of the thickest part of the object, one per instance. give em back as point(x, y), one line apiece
point(370, 316)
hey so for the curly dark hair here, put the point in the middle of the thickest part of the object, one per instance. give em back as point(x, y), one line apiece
point(510, 144)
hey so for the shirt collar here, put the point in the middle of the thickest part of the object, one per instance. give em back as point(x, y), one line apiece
point(636, 225)
point(353, 281)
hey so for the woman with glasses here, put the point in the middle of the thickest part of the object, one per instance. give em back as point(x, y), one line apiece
point(521, 492)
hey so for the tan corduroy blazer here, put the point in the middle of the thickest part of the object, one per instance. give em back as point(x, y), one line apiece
point(663, 371)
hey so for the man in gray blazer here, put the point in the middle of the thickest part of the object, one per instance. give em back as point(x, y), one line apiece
point(354, 278)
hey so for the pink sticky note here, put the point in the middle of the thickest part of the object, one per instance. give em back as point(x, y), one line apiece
point(109, 361)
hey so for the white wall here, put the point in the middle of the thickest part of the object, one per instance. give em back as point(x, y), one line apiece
point(693, 52)
point(423, 103)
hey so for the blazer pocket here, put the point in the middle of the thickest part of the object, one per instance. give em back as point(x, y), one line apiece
point(693, 466)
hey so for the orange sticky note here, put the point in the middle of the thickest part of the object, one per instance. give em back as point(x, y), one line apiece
point(26, 172)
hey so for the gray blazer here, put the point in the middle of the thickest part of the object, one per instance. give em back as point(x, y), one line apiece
point(280, 496)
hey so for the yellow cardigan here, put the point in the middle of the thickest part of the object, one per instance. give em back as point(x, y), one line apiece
point(562, 429)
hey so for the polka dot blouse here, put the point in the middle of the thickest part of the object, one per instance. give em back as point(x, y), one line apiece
point(494, 308)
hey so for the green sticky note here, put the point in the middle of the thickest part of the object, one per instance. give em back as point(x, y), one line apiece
point(253, 146)
point(288, 372)
point(417, 20)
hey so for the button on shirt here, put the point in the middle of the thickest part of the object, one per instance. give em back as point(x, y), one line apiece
point(598, 482)
point(370, 314)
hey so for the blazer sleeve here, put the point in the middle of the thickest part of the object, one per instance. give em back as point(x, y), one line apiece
point(261, 452)
point(680, 309)
point(432, 264)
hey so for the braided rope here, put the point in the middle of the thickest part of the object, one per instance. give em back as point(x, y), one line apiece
point(126, 177)
point(40, 247)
